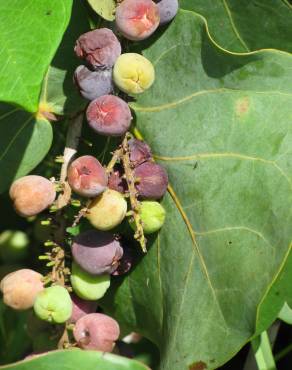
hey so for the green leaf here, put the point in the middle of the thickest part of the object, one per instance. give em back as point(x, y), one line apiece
point(104, 8)
point(221, 125)
point(77, 359)
point(286, 314)
point(24, 141)
point(279, 293)
point(235, 25)
point(30, 32)
point(59, 93)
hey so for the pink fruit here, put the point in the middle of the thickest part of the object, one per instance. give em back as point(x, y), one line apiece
point(109, 115)
point(152, 180)
point(100, 48)
point(20, 288)
point(137, 19)
point(96, 332)
point(87, 177)
point(81, 307)
point(31, 195)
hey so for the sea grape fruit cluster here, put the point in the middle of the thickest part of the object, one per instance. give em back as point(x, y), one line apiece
point(107, 211)
point(133, 73)
point(137, 20)
point(87, 286)
point(96, 332)
point(53, 304)
point(97, 252)
point(32, 194)
point(20, 288)
point(109, 115)
point(152, 216)
point(87, 177)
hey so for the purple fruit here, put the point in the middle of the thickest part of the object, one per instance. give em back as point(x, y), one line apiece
point(167, 10)
point(117, 182)
point(109, 115)
point(100, 48)
point(81, 308)
point(87, 177)
point(152, 180)
point(93, 84)
point(125, 263)
point(97, 252)
point(139, 151)
point(96, 332)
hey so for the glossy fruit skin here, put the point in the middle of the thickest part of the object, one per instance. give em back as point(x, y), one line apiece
point(53, 305)
point(109, 115)
point(87, 286)
point(97, 332)
point(100, 48)
point(152, 180)
point(97, 252)
point(140, 152)
point(93, 84)
point(107, 210)
point(20, 288)
point(152, 216)
point(167, 10)
point(137, 19)
point(87, 177)
point(81, 308)
point(32, 194)
point(133, 73)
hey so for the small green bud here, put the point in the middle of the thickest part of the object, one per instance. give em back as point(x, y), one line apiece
point(53, 304)
point(87, 286)
point(152, 215)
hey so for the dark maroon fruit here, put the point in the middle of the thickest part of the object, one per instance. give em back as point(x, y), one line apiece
point(81, 307)
point(152, 180)
point(100, 48)
point(140, 151)
point(117, 182)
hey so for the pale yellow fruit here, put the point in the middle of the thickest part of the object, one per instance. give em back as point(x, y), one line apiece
point(133, 73)
point(107, 210)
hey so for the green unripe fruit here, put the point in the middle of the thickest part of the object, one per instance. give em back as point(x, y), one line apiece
point(107, 210)
point(152, 216)
point(13, 245)
point(87, 286)
point(133, 73)
point(53, 304)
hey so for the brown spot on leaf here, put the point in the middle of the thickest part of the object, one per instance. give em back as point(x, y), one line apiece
point(242, 106)
point(198, 366)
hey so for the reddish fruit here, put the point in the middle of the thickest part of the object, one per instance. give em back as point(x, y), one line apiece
point(109, 115)
point(96, 332)
point(32, 194)
point(137, 19)
point(140, 151)
point(152, 180)
point(100, 48)
point(87, 177)
point(81, 308)
point(117, 182)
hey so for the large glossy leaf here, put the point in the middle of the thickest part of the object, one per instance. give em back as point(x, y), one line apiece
point(77, 359)
point(59, 94)
point(245, 25)
point(30, 32)
point(221, 124)
point(24, 141)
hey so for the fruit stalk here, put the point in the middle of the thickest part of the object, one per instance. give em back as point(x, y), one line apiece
point(133, 193)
